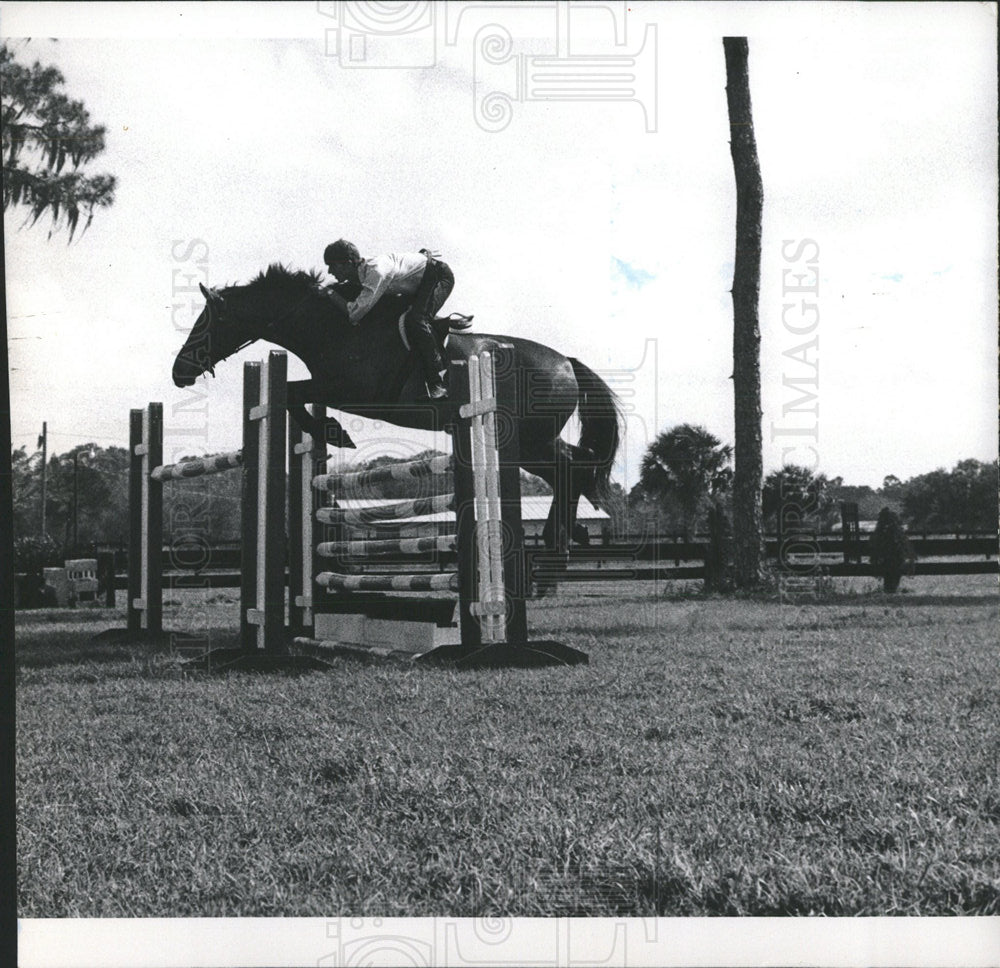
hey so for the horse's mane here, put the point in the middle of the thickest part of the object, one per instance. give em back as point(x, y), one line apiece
point(279, 278)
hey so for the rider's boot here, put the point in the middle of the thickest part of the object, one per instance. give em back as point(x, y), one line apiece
point(422, 339)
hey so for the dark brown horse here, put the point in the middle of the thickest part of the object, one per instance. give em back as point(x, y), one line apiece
point(367, 370)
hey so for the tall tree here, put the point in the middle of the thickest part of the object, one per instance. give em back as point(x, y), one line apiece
point(690, 465)
point(47, 138)
point(8, 853)
point(749, 470)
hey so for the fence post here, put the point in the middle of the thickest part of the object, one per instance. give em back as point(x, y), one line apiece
point(145, 551)
point(134, 590)
point(106, 577)
point(850, 531)
point(248, 499)
point(299, 518)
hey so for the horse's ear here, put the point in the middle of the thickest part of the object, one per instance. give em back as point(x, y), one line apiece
point(211, 295)
point(213, 300)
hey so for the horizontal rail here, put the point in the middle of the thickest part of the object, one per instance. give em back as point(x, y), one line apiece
point(388, 583)
point(541, 573)
point(539, 570)
point(359, 517)
point(183, 557)
point(399, 530)
point(198, 467)
point(403, 546)
point(362, 480)
point(231, 579)
point(654, 549)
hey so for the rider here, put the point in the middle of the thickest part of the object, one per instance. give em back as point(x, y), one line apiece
point(418, 274)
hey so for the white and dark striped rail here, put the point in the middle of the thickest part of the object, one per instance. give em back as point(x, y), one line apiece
point(197, 467)
point(362, 481)
point(386, 513)
point(334, 581)
point(361, 548)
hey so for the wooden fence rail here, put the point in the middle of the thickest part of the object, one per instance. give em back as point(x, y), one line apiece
point(638, 561)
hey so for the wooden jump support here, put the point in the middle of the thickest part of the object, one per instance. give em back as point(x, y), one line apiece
point(262, 561)
point(491, 576)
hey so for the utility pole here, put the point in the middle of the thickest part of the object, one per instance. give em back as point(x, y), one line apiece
point(44, 441)
point(76, 501)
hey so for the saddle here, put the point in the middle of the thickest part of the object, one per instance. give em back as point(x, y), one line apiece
point(443, 327)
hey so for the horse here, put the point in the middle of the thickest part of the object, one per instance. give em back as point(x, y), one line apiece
point(368, 370)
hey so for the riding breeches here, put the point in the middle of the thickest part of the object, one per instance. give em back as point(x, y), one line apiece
point(434, 289)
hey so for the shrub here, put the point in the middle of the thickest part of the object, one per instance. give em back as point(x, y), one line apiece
point(33, 552)
point(890, 552)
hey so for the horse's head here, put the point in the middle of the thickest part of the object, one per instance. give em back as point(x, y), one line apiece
point(267, 308)
point(215, 335)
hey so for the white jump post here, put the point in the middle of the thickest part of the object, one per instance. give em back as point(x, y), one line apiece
point(262, 555)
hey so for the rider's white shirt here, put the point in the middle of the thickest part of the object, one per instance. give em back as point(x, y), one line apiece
point(389, 274)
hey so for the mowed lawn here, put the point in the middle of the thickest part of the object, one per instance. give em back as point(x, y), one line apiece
point(716, 757)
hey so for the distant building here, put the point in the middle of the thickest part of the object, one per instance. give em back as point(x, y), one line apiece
point(535, 511)
point(865, 527)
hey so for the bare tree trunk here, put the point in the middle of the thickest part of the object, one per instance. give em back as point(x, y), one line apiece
point(747, 526)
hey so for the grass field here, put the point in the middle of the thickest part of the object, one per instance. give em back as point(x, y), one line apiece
point(717, 757)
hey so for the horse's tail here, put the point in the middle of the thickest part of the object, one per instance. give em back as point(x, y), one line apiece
point(600, 429)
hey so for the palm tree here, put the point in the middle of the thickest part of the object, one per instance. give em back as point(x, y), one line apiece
point(690, 465)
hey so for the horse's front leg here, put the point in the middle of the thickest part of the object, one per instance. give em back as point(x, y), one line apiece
point(300, 393)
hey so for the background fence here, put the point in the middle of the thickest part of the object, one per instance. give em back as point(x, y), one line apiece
point(639, 558)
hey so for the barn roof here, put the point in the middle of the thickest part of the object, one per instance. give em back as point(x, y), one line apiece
point(535, 507)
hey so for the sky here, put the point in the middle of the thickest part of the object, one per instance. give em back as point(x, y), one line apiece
point(245, 134)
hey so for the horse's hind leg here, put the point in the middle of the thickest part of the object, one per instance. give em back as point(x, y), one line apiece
point(567, 474)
